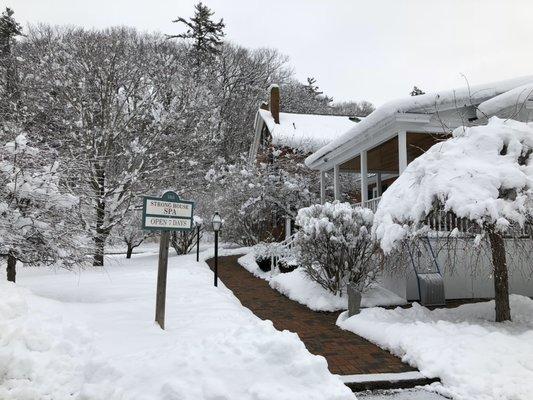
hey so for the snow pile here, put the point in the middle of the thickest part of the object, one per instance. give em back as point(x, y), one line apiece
point(428, 103)
point(467, 175)
point(253, 361)
point(212, 348)
point(305, 132)
point(475, 358)
point(43, 357)
point(297, 286)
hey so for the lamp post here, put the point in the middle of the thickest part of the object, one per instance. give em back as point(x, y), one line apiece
point(217, 224)
point(198, 222)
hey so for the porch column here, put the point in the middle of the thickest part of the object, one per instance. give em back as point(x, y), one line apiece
point(402, 151)
point(378, 183)
point(337, 182)
point(322, 187)
point(288, 223)
point(364, 176)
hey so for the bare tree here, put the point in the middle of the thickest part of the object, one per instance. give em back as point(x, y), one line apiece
point(110, 114)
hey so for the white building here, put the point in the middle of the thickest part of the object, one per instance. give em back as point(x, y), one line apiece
point(399, 131)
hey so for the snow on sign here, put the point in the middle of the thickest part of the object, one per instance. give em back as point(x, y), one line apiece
point(167, 213)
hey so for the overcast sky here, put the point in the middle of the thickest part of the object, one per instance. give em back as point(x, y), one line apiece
point(374, 50)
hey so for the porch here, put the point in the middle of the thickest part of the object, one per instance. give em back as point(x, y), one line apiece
point(377, 167)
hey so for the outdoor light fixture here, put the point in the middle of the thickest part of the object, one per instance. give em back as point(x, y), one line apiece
point(217, 224)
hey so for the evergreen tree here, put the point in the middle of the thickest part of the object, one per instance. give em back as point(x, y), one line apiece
point(9, 29)
point(206, 33)
point(417, 91)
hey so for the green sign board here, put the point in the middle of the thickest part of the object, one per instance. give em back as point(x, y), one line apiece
point(167, 213)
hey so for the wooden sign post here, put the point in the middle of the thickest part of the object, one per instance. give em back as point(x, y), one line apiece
point(165, 214)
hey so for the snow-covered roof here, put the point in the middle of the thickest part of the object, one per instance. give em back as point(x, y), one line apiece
point(305, 132)
point(423, 104)
point(513, 101)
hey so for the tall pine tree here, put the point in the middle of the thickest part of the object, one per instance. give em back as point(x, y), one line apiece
point(206, 33)
point(417, 91)
point(9, 29)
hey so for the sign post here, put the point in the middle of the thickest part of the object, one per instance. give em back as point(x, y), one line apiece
point(165, 214)
point(162, 265)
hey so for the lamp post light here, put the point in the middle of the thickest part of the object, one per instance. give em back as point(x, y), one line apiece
point(217, 224)
point(198, 222)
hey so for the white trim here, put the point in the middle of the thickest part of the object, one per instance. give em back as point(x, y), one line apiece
point(337, 182)
point(322, 187)
point(412, 117)
point(402, 151)
point(258, 127)
point(364, 176)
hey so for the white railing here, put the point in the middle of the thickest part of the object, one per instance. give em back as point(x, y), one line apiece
point(443, 221)
point(372, 203)
point(281, 249)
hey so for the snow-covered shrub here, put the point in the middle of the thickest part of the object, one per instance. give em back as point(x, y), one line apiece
point(288, 264)
point(262, 253)
point(335, 246)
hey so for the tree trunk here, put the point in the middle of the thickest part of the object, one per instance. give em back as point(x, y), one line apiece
point(11, 268)
point(100, 233)
point(130, 251)
point(99, 244)
point(501, 281)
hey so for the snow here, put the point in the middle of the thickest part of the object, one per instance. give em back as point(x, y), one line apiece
point(298, 287)
point(475, 358)
point(91, 336)
point(513, 100)
point(305, 132)
point(465, 174)
point(427, 103)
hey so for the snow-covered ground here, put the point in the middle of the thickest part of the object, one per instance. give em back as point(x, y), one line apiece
point(298, 287)
point(91, 336)
point(476, 358)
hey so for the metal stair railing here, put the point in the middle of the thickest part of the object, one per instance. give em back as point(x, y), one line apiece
point(429, 280)
point(281, 249)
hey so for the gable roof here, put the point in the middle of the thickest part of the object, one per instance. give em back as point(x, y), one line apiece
point(305, 132)
point(424, 104)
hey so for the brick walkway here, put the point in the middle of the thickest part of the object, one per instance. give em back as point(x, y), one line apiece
point(346, 353)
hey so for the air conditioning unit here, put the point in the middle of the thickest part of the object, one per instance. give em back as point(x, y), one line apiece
point(431, 287)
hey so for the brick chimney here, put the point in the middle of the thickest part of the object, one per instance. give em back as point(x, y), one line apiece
point(273, 103)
